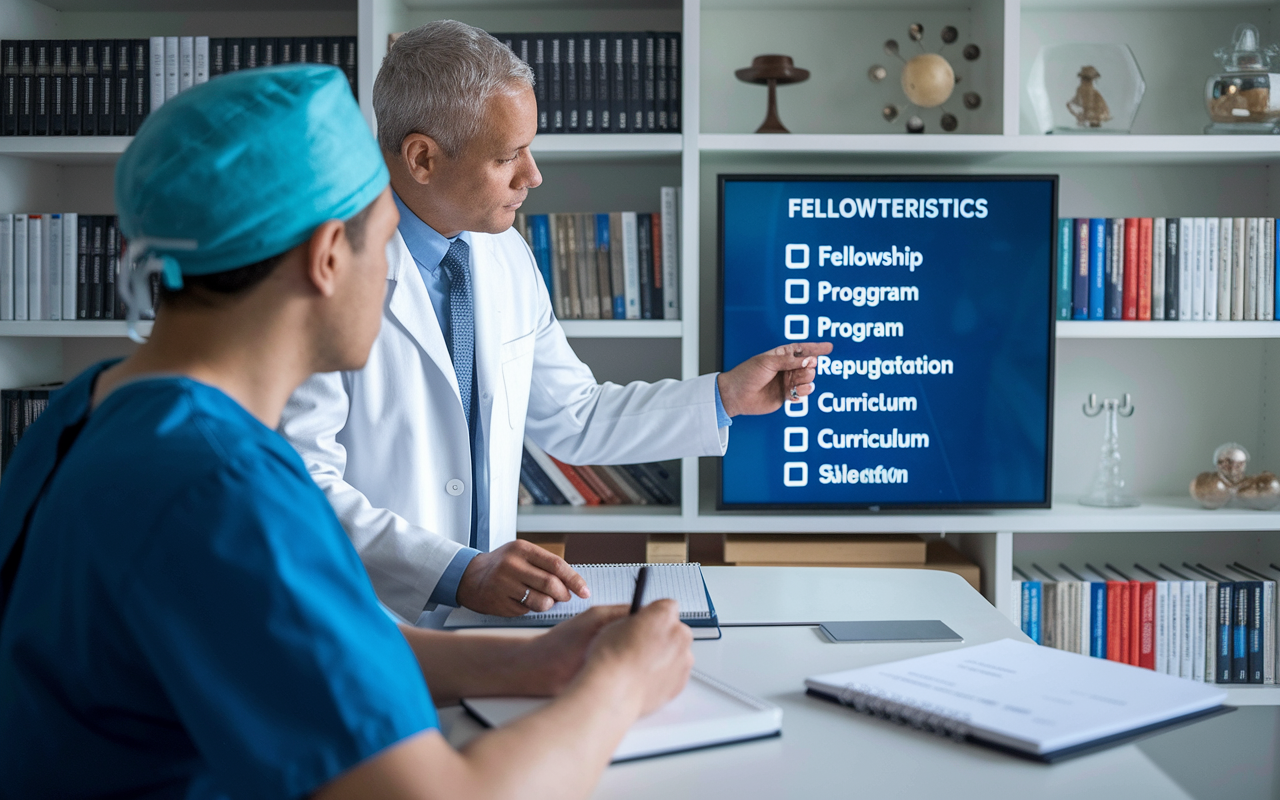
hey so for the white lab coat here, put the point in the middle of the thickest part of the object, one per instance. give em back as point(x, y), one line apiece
point(388, 443)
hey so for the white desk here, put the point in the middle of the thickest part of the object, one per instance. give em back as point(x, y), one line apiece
point(829, 751)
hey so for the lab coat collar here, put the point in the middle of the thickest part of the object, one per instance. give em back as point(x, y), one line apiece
point(410, 305)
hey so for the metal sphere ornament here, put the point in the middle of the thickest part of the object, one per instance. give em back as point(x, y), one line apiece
point(928, 79)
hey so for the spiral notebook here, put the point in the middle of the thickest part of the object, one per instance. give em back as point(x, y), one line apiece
point(613, 584)
point(1030, 701)
point(706, 714)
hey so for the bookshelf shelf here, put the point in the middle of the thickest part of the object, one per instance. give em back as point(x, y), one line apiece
point(622, 328)
point(590, 146)
point(1168, 330)
point(596, 519)
point(1011, 150)
point(69, 150)
point(72, 329)
point(1253, 695)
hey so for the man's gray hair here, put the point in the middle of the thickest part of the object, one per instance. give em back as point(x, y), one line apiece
point(437, 79)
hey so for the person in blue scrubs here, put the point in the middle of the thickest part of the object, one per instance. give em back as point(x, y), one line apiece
point(181, 613)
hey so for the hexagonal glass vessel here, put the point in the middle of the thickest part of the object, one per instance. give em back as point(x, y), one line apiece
point(1085, 88)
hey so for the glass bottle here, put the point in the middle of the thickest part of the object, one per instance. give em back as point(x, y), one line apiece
point(1239, 98)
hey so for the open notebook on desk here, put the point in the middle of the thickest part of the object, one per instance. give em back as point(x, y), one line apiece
point(613, 584)
point(707, 713)
point(1030, 701)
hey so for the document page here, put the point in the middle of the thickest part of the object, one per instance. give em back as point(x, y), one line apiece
point(1036, 699)
point(611, 584)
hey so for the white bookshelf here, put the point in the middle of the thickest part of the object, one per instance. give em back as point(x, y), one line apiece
point(1195, 384)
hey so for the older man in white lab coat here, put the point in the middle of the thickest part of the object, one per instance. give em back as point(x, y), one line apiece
point(420, 451)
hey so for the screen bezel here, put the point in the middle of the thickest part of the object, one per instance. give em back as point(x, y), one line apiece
point(722, 179)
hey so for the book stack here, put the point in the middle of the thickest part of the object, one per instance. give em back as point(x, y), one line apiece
point(886, 551)
point(603, 82)
point(107, 87)
point(622, 265)
point(1211, 624)
point(1167, 268)
point(548, 481)
point(19, 408)
point(59, 267)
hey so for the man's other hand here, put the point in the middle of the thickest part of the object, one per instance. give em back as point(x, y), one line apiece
point(762, 384)
point(494, 583)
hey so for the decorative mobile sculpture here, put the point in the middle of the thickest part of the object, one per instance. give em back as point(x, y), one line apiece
point(773, 71)
point(928, 79)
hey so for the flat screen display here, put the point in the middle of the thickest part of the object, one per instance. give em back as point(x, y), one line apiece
point(937, 295)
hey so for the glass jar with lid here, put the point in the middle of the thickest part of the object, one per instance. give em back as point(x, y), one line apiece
point(1240, 98)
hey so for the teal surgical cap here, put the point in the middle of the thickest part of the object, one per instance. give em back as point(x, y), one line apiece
point(245, 167)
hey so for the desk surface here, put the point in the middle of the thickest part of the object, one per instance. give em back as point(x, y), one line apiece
point(829, 751)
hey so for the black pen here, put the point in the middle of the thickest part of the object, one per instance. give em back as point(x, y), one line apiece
point(639, 593)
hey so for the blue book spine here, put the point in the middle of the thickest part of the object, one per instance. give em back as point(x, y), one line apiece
point(1098, 619)
point(1097, 268)
point(1240, 635)
point(602, 241)
point(1025, 600)
point(1255, 632)
point(1226, 613)
point(1034, 607)
point(541, 228)
point(1080, 262)
point(1065, 282)
point(1112, 311)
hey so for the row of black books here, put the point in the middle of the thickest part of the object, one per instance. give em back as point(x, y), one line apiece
point(107, 87)
point(548, 481)
point(19, 409)
point(1202, 623)
point(603, 82)
point(60, 267)
point(623, 265)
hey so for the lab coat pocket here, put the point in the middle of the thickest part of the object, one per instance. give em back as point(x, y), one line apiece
point(517, 373)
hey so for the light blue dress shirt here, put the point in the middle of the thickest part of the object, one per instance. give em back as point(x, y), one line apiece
point(428, 247)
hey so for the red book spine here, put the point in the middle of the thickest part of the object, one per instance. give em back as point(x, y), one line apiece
point(1135, 621)
point(1130, 299)
point(1114, 618)
point(1144, 268)
point(591, 497)
point(1147, 632)
point(607, 496)
point(656, 227)
point(1126, 622)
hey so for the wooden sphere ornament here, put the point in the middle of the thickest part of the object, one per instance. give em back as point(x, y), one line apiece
point(928, 79)
point(773, 71)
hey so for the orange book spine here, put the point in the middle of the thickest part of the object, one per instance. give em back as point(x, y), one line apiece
point(590, 496)
point(1147, 629)
point(1129, 309)
point(608, 497)
point(1144, 268)
point(1126, 623)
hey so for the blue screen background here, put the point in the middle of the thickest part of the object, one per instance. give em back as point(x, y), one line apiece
point(985, 303)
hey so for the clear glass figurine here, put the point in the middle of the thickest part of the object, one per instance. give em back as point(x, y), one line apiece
point(1108, 489)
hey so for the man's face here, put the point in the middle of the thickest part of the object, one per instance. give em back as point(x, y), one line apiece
point(363, 287)
point(487, 182)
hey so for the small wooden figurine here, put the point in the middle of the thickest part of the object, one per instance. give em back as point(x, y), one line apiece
point(1088, 107)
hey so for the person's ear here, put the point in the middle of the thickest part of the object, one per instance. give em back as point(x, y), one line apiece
point(421, 155)
point(327, 252)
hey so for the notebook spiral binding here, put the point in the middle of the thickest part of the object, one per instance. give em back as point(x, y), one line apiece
point(561, 616)
point(931, 719)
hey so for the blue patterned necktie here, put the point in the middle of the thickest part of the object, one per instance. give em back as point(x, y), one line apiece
point(462, 335)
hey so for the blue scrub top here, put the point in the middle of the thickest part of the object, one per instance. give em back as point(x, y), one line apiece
point(189, 619)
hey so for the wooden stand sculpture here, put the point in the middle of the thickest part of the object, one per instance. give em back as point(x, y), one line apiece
point(773, 71)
